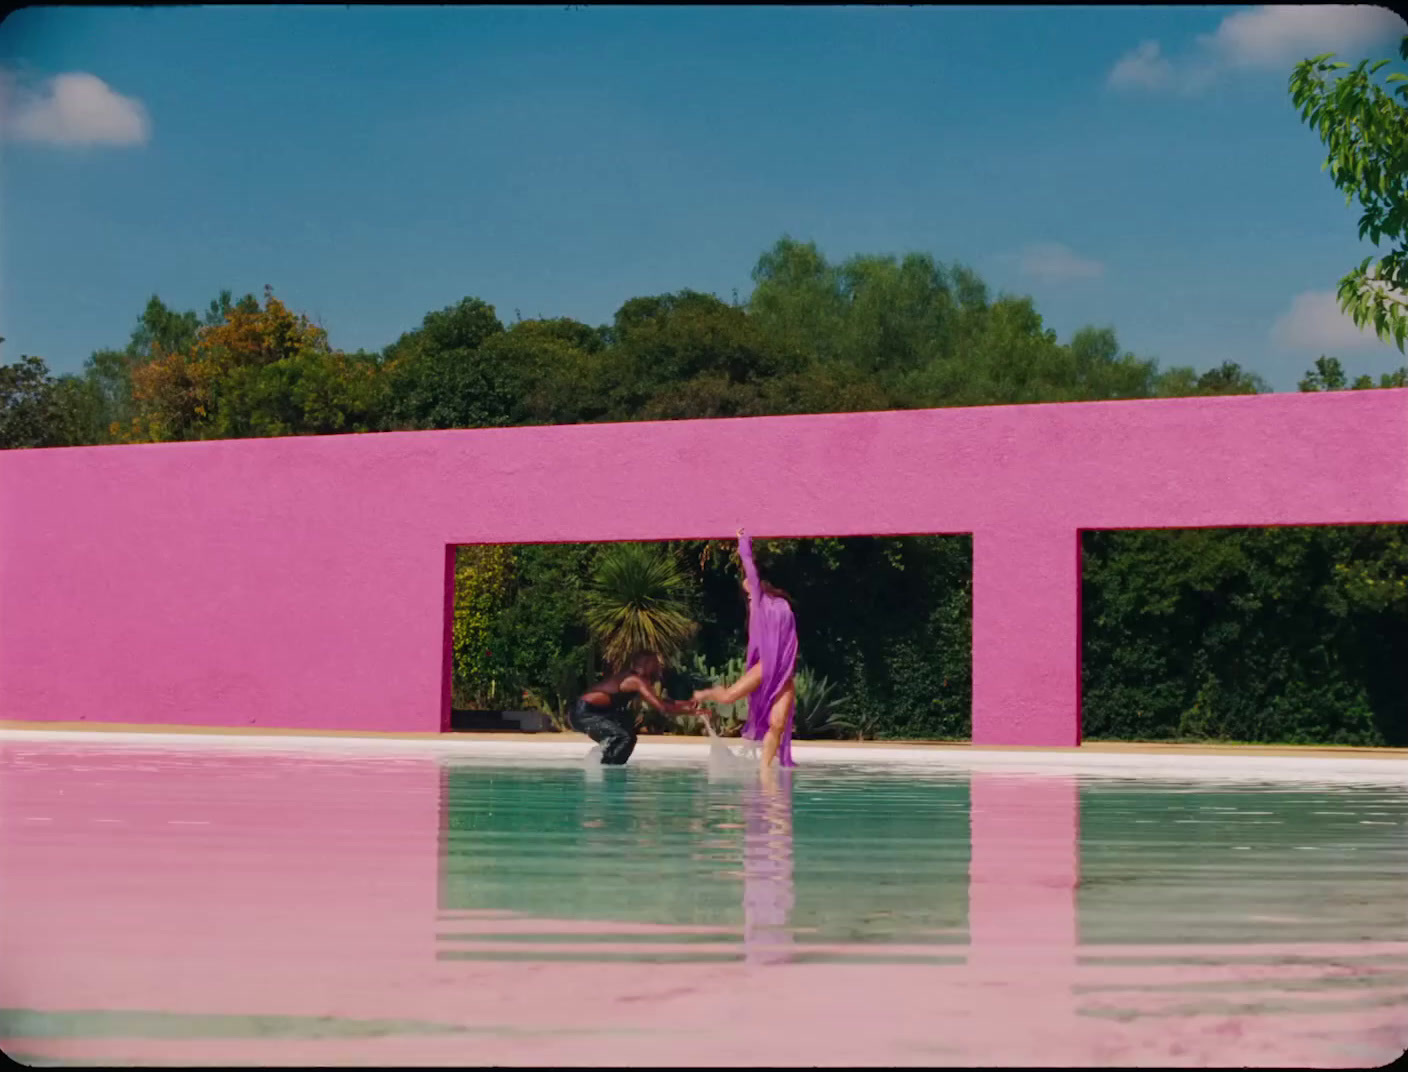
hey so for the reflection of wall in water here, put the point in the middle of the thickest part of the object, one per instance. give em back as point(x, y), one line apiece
point(1169, 866)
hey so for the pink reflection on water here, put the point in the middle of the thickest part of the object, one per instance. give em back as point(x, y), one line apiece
point(1022, 875)
point(224, 883)
point(1024, 866)
point(768, 894)
point(284, 886)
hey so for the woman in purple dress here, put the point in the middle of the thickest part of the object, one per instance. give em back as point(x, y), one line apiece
point(772, 661)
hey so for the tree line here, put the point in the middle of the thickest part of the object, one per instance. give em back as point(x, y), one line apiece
point(870, 333)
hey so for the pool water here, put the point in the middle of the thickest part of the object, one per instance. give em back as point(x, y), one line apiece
point(164, 905)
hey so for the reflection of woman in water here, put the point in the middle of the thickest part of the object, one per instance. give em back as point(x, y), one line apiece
point(772, 659)
point(603, 711)
point(768, 893)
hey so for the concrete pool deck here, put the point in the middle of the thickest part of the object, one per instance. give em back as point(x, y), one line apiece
point(1110, 758)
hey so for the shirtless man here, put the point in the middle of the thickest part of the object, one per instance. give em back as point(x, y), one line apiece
point(603, 714)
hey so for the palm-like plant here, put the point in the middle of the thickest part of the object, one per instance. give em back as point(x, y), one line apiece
point(638, 602)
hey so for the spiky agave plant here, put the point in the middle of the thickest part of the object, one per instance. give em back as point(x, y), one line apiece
point(638, 602)
point(821, 710)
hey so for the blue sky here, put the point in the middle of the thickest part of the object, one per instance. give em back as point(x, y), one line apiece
point(1134, 167)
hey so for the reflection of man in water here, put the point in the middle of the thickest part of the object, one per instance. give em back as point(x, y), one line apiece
point(768, 892)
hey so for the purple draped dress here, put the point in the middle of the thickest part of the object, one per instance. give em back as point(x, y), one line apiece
point(772, 638)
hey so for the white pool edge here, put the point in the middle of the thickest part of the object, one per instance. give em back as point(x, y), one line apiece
point(1151, 766)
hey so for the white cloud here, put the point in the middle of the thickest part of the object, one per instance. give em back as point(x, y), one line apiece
point(1051, 263)
point(1314, 322)
point(1271, 37)
point(72, 109)
point(1278, 35)
point(1144, 67)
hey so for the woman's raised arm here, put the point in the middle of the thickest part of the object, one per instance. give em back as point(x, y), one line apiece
point(750, 568)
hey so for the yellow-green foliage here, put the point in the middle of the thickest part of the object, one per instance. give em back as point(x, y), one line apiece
point(483, 576)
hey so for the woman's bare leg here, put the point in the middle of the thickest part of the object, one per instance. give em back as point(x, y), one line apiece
point(777, 722)
point(767, 777)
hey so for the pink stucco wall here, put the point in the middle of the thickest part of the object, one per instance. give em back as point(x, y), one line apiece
point(301, 582)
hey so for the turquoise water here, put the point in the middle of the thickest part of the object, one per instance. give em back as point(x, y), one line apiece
point(165, 905)
point(878, 858)
point(1195, 864)
point(869, 859)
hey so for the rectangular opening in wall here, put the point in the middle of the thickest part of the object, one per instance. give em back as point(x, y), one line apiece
point(884, 630)
point(1284, 635)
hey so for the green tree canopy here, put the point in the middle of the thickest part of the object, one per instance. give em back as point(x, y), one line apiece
point(885, 332)
point(1365, 131)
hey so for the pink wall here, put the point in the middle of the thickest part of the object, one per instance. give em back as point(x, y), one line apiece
point(301, 582)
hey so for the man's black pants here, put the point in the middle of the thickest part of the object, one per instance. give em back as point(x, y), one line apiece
point(616, 733)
